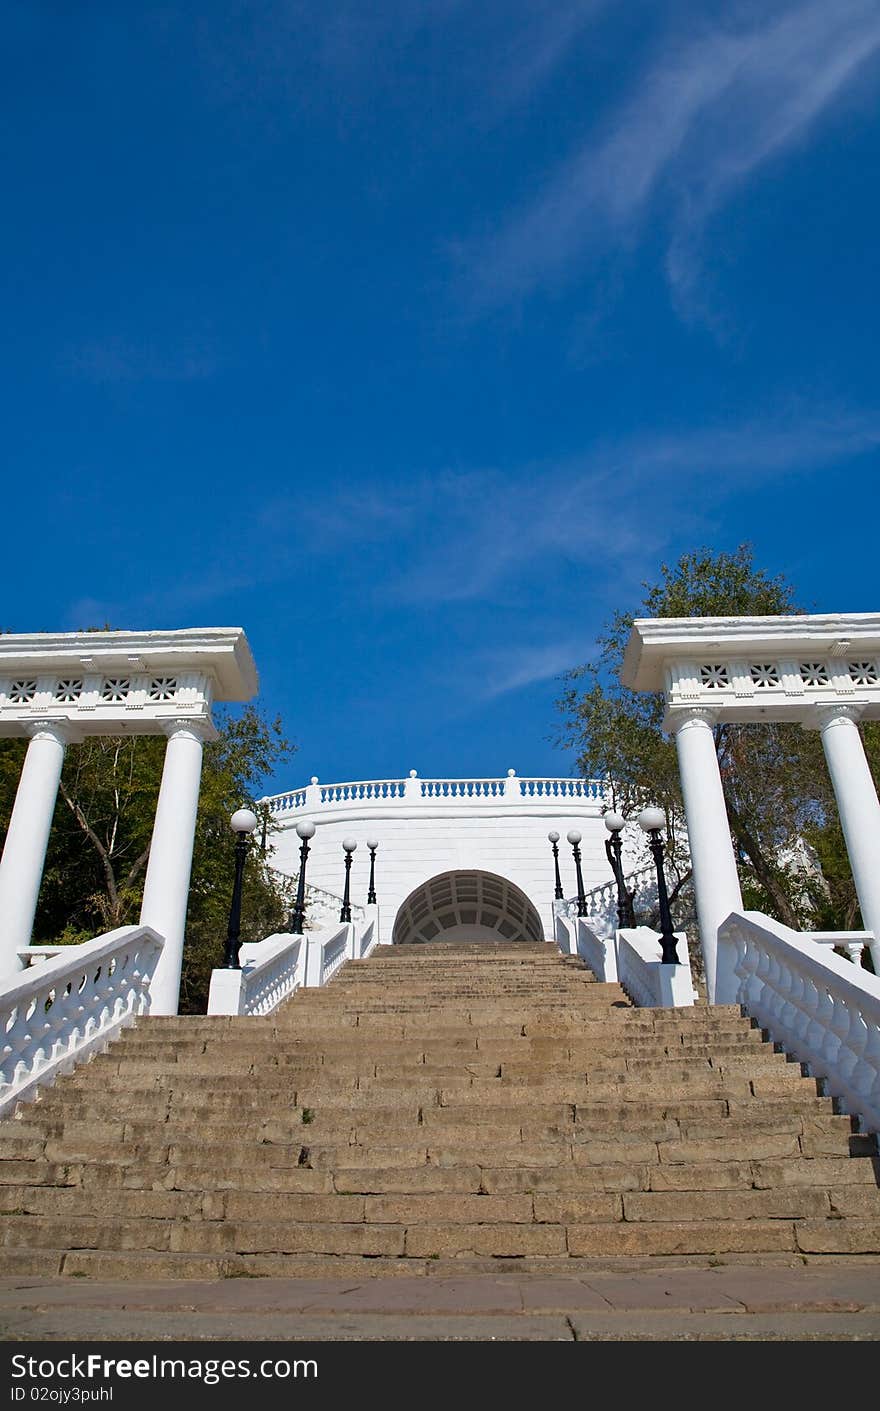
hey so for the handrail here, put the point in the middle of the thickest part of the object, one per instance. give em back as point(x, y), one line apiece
point(274, 969)
point(414, 790)
point(271, 971)
point(820, 1008)
point(601, 900)
point(57, 1013)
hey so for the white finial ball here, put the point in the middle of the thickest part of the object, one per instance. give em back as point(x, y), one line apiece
point(413, 774)
point(314, 779)
point(511, 773)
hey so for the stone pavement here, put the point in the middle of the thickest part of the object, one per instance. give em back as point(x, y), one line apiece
point(733, 1301)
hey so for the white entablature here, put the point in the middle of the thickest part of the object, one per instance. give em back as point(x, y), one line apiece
point(109, 683)
point(760, 668)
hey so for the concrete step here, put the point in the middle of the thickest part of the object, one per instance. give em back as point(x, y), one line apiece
point(451, 1104)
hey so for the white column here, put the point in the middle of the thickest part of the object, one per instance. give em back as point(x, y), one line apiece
point(24, 855)
point(166, 886)
point(858, 807)
point(716, 881)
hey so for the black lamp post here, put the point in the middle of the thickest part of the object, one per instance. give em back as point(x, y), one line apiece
point(554, 841)
point(574, 838)
point(349, 846)
point(614, 822)
point(371, 893)
point(651, 820)
point(242, 823)
point(304, 830)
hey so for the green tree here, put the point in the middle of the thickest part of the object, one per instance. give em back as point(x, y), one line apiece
point(776, 785)
point(102, 827)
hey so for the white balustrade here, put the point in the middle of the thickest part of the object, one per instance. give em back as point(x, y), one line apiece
point(822, 1009)
point(601, 901)
point(432, 791)
point(648, 982)
point(562, 789)
point(853, 942)
point(463, 788)
point(271, 971)
point(322, 907)
point(35, 955)
point(576, 936)
point(274, 969)
point(364, 940)
point(71, 1004)
point(331, 953)
point(285, 803)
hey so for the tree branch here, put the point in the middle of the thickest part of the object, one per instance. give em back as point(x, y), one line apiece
point(136, 866)
point(764, 871)
point(93, 838)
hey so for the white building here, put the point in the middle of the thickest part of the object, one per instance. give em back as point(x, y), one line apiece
point(454, 856)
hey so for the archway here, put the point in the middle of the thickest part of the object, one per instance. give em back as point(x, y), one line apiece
point(466, 906)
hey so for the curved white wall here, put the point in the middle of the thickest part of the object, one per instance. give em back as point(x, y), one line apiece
point(420, 836)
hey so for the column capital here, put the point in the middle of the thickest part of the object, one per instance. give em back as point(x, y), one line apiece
point(57, 730)
point(681, 717)
point(200, 730)
point(824, 717)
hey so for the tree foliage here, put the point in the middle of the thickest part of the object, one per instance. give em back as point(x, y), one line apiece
point(779, 798)
point(100, 840)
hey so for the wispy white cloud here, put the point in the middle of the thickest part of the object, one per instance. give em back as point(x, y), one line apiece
point(519, 666)
point(485, 536)
point(706, 115)
point(483, 533)
point(535, 47)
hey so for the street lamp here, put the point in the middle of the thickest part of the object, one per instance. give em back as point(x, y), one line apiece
point(242, 823)
point(574, 838)
point(304, 830)
point(349, 846)
point(651, 820)
point(554, 840)
point(371, 893)
point(615, 822)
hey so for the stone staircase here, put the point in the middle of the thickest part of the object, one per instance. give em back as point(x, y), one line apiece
point(444, 1107)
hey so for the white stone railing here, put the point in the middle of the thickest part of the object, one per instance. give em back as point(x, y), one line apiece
point(462, 788)
point(274, 969)
point(576, 936)
point(648, 982)
point(63, 1009)
point(35, 955)
point(322, 907)
point(853, 942)
point(271, 971)
point(364, 939)
point(366, 789)
point(822, 1009)
point(329, 954)
point(286, 803)
point(602, 899)
point(632, 958)
point(415, 791)
point(561, 789)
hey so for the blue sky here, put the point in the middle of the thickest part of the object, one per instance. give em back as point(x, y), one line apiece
point(413, 336)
